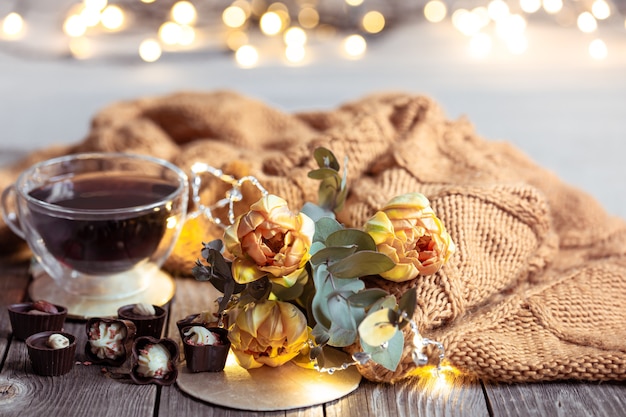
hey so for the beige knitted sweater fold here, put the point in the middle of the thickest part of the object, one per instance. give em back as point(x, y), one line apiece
point(534, 292)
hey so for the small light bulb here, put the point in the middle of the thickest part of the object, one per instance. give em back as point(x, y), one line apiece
point(150, 50)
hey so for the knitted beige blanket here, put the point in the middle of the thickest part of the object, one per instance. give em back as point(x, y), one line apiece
point(536, 288)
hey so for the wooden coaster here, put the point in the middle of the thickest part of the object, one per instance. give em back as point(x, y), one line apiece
point(268, 389)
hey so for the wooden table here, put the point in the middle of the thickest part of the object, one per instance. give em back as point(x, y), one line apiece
point(86, 390)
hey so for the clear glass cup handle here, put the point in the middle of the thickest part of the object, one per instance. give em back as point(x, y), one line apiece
point(10, 216)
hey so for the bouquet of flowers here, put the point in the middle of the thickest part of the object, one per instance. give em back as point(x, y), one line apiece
point(293, 283)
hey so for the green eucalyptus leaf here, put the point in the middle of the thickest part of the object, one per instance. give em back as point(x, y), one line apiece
point(326, 174)
point(325, 227)
point(321, 335)
point(367, 297)
point(407, 304)
point(316, 212)
point(351, 237)
point(343, 329)
point(316, 247)
point(325, 158)
point(387, 302)
point(390, 356)
point(329, 255)
point(361, 264)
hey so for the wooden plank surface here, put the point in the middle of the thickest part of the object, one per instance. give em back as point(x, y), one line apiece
point(558, 399)
point(86, 390)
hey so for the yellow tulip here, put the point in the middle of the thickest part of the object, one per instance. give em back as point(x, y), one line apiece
point(268, 333)
point(408, 231)
point(270, 240)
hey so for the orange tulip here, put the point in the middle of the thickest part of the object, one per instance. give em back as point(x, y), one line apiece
point(408, 231)
point(268, 333)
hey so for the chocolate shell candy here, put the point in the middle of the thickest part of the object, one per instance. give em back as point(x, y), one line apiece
point(26, 320)
point(207, 358)
point(109, 341)
point(196, 320)
point(146, 325)
point(47, 361)
point(158, 366)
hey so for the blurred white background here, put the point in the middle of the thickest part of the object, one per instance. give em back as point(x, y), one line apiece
point(554, 101)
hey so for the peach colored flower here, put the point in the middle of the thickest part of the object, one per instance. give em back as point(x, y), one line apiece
point(408, 231)
point(268, 333)
point(270, 240)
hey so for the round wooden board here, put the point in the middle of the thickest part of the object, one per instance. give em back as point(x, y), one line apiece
point(270, 389)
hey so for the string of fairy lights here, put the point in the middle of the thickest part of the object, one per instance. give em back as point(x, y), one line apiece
point(154, 28)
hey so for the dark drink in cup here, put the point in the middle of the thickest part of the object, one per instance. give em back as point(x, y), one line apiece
point(97, 244)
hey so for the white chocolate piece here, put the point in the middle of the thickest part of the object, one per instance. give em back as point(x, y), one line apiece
point(144, 309)
point(199, 335)
point(107, 340)
point(57, 341)
point(154, 361)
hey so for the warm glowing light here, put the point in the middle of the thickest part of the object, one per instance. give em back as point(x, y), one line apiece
point(295, 53)
point(552, 6)
point(598, 49)
point(308, 17)
point(512, 26)
point(439, 382)
point(80, 48)
point(74, 26)
point(150, 50)
point(271, 23)
point(171, 222)
point(148, 1)
point(586, 22)
point(236, 40)
point(295, 36)
point(98, 5)
point(497, 9)
point(600, 9)
point(466, 22)
point(435, 11)
point(373, 21)
point(530, 6)
point(480, 45)
point(354, 46)
point(187, 35)
point(354, 3)
point(170, 33)
point(517, 44)
point(91, 15)
point(247, 56)
point(13, 24)
point(234, 17)
point(112, 17)
point(482, 15)
point(184, 13)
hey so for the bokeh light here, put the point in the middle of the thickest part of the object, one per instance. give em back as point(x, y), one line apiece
point(598, 49)
point(435, 11)
point(586, 22)
point(601, 9)
point(373, 21)
point(13, 24)
point(247, 56)
point(150, 50)
point(112, 17)
point(354, 46)
point(184, 13)
point(530, 6)
point(234, 17)
point(271, 23)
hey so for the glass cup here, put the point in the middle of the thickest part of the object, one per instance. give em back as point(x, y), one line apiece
point(99, 223)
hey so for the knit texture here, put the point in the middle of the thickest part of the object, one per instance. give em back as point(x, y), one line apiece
point(536, 288)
